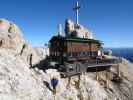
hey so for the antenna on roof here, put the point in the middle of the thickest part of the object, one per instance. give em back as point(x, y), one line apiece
point(59, 29)
point(76, 9)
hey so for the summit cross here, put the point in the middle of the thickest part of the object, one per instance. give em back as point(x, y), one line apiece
point(76, 8)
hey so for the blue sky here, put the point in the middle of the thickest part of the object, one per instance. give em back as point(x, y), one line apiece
point(110, 20)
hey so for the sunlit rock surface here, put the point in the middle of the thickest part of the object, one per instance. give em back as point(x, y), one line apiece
point(11, 39)
point(19, 82)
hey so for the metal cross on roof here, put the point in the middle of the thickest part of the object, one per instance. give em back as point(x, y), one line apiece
point(76, 8)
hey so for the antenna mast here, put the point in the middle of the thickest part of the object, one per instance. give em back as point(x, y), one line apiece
point(59, 29)
point(76, 8)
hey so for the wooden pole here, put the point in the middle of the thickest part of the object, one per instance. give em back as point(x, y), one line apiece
point(107, 83)
point(97, 78)
point(69, 80)
point(96, 71)
point(84, 75)
point(78, 80)
point(118, 70)
point(54, 97)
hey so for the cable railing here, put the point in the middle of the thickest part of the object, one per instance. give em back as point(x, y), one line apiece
point(103, 62)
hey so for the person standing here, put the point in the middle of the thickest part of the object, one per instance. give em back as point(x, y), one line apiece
point(54, 83)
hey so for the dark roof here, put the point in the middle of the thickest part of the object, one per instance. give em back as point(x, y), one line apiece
point(58, 37)
point(74, 39)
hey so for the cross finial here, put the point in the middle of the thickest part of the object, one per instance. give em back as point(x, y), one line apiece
point(76, 8)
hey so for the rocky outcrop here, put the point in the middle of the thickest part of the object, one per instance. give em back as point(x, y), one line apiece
point(10, 36)
point(11, 40)
point(17, 80)
point(42, 52)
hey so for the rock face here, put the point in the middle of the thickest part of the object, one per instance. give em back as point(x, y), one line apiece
point(42, 52)
point(10, 36)
point(11, 39)
point(19, 82)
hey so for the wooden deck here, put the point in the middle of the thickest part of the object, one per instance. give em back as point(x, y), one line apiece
point(99, 67)
point(91, 68)
point(103, 65)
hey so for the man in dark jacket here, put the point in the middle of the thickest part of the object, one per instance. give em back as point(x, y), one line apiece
point(54, 83)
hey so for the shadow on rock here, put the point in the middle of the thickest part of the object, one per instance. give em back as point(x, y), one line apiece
point(47, 85)
point(43, 64)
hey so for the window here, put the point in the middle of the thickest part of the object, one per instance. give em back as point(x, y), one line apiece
point(58, 54)
point(94, 53)
point(64, 54)
point(89, 53)
point(74, 54)
point(69, 54)
point(71, 68)
point(81, 54)
point(58, 44)
point(86, 54)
